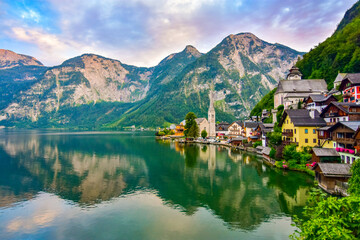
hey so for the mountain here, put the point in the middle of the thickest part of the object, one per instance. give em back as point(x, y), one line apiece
point(91, 91)
point(17, 74)
point(338, 53)
point(242, 69)
point(9, 59)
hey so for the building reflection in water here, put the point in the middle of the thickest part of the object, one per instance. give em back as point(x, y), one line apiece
point(90, 169)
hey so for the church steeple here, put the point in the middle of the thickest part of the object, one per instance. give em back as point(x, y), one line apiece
point(211, 113)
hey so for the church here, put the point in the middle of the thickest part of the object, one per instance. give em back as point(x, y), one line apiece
point(294, 89)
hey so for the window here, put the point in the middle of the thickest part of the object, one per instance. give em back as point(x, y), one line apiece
point(314, 140)
point(306, 130)
point(319, 142)
point(295, 130)
point(334, 144)
point(314, 131)
point(306, 140)
point(295, 139)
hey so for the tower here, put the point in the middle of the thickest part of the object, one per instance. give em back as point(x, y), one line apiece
point(211, 115)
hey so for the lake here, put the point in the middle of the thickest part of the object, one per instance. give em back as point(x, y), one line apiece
point(117, 185)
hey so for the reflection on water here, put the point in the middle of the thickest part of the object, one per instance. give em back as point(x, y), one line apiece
point(85, 172)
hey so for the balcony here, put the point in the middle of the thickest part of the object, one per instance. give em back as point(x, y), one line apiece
point(331, 114)
point(288, 142)
point(345, 150)
point(347, 95)
point(288, 133)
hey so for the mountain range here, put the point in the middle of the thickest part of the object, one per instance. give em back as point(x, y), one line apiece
point(91, 91)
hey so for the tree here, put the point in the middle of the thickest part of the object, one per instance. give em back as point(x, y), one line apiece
point(191, 127)
point(331, 217)
point(354, 181)
point(203, 133)
point(274, 138)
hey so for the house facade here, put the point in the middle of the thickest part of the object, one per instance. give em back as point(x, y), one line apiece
point(318, 101)
point(350, 88)
point(343, 134)
point(236, 129)
point(299, 127)
point(340, 112)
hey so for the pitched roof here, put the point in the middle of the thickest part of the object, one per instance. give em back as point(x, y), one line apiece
point(240, 138)
point(200, 120)
point(301, 117)
point(354, 78)
point(325, 152)
point(251, 124)
point(335, 169)
point(342, 106)
point(320, 97)
point(303, 85)
point(223, 126)
point(353, 125)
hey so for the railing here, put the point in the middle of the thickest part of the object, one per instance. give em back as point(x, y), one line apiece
point(331, 114)
point(288, 133)
point(287, 142)
point(345, 150)
point(344, 140)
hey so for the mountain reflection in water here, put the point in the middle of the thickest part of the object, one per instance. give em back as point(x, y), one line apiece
point(94, 168)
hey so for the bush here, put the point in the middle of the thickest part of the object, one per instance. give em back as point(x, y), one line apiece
point(204, 133)
point(257, 143)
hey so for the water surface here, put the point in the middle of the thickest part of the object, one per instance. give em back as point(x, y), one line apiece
point(98, 185)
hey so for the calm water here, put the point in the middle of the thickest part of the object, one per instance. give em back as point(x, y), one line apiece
point(58, 185)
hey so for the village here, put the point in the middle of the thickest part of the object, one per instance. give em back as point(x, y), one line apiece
point(310, 129)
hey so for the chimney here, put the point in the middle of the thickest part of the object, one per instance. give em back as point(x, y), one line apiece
point(274, 111)
point(312, 113)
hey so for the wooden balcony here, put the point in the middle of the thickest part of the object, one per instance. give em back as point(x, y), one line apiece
point(288, 142)
point(288, 133)
point(344, 140)
point(331, 114)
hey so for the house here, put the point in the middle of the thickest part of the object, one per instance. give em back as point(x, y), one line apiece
point(249, 128)
point(340, 111)
point(338, 79)
point(222, 129)
point(238, 141)
point(203, 124)
point(294, 89)
point(329, 174)
point(343, 133)
point(350, 87)
point(318, 101)
point(327, 155)
point(264, 129)
point(265, 114)
point(236, 129)
point(299, 127)
point(324, 137)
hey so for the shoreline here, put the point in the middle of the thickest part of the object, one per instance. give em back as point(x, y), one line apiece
point(270, 161)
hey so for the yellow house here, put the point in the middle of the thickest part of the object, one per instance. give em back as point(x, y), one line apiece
point(299, 127)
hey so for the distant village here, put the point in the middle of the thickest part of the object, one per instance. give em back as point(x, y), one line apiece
point(307, 116)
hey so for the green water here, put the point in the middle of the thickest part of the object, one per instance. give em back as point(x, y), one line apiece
point(61, 185)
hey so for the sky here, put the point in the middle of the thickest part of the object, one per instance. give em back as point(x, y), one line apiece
point(143, 32)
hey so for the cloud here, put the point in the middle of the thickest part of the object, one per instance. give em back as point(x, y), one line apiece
point(142, 32)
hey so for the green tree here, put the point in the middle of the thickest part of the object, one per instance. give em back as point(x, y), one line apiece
point(191, 127)
point(354, 181)
point(203, 133)
point(274, 138)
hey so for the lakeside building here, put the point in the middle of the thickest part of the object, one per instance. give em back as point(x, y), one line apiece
point(328, 155)
point(236, 129)
point(294, 89)
point(340, 111)
point(299, 127)
point(343, 135)
point(264, 129)
point(331, 175)
point(318, 101)
point(249, 129)
point(222, 129)
point(350, 88)
point(203, 124)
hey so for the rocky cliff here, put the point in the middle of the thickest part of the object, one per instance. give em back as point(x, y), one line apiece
point(242, 68)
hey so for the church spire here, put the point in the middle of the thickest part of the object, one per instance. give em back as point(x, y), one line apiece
point(211, 113)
